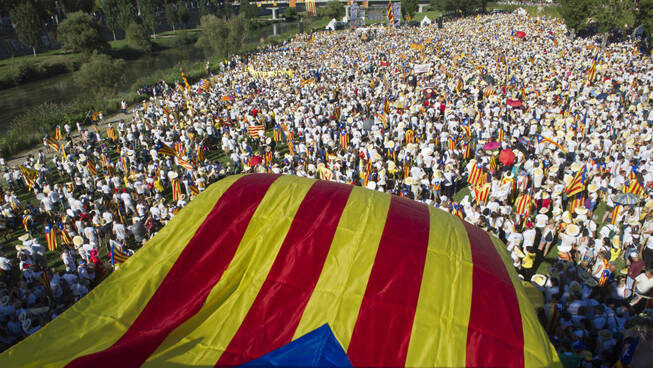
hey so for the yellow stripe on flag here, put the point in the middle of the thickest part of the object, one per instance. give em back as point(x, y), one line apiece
point(115, 306)
point(534, 335)
point(347, 267)
point(444, 303)
point(231, 298)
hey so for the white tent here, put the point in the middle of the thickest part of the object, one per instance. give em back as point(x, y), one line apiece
point(425, 22)
point(332, 25)
point(520, 11)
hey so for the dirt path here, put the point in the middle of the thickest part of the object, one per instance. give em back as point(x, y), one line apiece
point(22, 156)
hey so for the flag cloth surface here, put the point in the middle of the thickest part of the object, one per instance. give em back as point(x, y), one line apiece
point(261, 260)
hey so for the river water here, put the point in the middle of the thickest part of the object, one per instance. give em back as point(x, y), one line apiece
point(20, 99)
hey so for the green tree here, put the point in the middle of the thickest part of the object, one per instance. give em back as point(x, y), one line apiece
point(138, 38)
point(613, 15)
point(333, 9)
point(172, 15)
point(28, 24)
point(184, 14)
point(645, 16)
point(247, 9)
point(80, 33)
point(456, 6)
point(290, 14)
point(126, 13)
point(575, 13)
point(149, 15)
point(237, 33)
point(71, 6)
point(227, 9)
point(110, 10)
point(409, 7)
point(101, 74)
point(214, 35)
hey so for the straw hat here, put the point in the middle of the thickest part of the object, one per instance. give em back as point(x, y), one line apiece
point(82, 157)
point(173, 175)
point(24, 237)
point(566, 217)
point(592, 188)
point(538, 172)
point(78, 241)
point(572, 230)
point(567, 179)
point(538, 279)
point(581, 211)
point(556, 211)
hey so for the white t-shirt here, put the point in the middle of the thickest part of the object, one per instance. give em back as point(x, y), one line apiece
point(644, 284)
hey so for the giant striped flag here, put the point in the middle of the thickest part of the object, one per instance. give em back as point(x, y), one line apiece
point(263, 260)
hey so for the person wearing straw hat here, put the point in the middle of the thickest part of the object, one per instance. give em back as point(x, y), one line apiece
point(568, 239)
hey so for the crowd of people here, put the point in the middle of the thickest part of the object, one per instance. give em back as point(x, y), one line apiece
point(542, 140)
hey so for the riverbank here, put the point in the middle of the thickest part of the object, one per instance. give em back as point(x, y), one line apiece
point(28, 68)
point(28, 129)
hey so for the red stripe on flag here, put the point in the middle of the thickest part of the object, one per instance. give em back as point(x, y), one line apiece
point(494, 334)
point(279, 304)
point(190, 280)
point(385, 320)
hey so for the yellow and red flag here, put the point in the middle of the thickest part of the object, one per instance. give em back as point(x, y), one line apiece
point(262, 260)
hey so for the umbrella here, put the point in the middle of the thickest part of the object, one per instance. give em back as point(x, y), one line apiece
point(256, 160)
point(520, 34)
point(507, 157)
point(627, 198)
point(489, 146)
point(514, 103)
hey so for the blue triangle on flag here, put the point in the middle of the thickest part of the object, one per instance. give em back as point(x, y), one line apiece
point(318, 348)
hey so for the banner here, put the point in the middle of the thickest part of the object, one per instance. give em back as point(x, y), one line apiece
point(422, 68)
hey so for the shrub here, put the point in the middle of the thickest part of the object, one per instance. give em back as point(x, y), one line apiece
point(80, 33)
point(290, 14)
point(101, 74)
point(333, 9)
point(138, 38)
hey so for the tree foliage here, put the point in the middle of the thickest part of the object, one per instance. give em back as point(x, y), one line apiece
point(247, 9)
point(409, 7)
point(613, 15)
point(575, 13)
point(645, 16)
point(71, 6)
point(456, 6)
point(80, 33)
point(220, 37)
point(138, 38)
point(333, 9)
point(149, 15)
point(111, 11)
point(214, 35)
point(28, 24)
point(172, 15)
point(101, 73)
point(126, 13)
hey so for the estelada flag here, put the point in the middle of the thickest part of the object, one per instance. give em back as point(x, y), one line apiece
point(50, 237)
point(261, 260)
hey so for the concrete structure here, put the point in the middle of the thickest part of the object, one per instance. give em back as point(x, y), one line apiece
point(421, 7)
point(274, 13)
